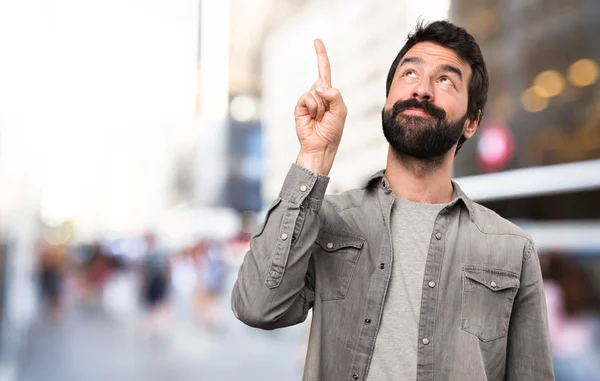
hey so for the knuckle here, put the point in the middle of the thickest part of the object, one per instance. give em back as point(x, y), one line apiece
point(308, 98)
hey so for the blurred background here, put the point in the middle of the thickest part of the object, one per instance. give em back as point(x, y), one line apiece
point(141, 140)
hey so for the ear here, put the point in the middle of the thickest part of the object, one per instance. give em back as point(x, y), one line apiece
point(471, 126)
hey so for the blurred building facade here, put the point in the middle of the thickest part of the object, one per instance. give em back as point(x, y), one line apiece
point(536, 156)
point(543, 61)
point(244, 155)
point(240, 188)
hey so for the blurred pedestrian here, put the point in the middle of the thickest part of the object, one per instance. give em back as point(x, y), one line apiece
point(51, 273)
point(156, 279)
point(98, 270)
point(212, 267)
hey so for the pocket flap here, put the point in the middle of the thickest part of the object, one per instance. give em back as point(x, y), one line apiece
point(493, 279)
point(331, 240)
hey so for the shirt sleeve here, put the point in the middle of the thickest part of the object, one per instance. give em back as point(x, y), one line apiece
point(529, 354)
point(275, 285)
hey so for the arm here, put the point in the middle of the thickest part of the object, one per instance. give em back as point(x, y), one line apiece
point(529, 355)
point(275, 286)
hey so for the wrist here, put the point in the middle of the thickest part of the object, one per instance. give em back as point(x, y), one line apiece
point(317, 162)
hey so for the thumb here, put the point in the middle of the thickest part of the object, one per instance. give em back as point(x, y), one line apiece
point(332, 96)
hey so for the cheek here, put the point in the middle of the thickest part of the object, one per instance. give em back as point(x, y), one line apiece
point(455, 107)
point(396, 94)
point(389, 103)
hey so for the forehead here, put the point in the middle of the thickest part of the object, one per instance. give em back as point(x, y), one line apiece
point(434, 55)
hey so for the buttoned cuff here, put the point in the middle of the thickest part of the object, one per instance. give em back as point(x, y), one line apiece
point(304, 187)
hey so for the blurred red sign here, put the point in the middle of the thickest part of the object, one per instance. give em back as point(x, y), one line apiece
point(495, 146)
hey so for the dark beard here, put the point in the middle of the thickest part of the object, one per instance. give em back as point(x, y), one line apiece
point(425, 138)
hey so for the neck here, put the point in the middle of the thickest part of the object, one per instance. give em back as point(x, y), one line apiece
point(424, 181)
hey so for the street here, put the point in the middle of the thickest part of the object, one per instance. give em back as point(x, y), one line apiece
point(90, 344)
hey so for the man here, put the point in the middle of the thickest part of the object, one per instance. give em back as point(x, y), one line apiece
point(407, 277)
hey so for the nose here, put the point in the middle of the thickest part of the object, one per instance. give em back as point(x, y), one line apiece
point(423, 90)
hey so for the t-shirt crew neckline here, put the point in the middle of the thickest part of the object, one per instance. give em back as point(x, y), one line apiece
point(418, 205)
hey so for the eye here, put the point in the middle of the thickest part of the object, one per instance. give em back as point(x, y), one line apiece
point(409, 73)
point(445, 80)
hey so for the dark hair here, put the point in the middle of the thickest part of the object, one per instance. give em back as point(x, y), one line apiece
point(450, 36)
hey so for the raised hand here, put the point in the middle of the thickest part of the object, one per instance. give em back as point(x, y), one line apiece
point(320, 118)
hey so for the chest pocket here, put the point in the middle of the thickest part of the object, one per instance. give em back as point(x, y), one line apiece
point(335, 255)
point(487, 299)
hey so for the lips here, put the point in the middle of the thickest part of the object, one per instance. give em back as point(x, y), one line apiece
point(416, 112)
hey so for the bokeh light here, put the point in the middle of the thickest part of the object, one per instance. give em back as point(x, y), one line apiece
point(540, 91)
point(583, 72)
point(243, 108)
point(551, 81)
point(532, 101)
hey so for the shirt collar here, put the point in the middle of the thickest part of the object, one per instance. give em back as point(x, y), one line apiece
point(378, 180)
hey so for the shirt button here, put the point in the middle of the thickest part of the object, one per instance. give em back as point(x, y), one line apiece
point(330, 245)
point(303, 188)
point(382, 266)
point(438, 235)
point(431, 284)
point(493, 284)
point(284, 236)
point(425, 341)
point(367, 321)
point(355, 376)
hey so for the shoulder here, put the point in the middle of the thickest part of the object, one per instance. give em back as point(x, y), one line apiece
point(496, 240)
point(347, 211)
point(491, 223)
point(350, 199)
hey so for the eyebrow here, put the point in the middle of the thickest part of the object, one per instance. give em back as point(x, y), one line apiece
point(443, 67)
point(415, 60)
point(451, 69)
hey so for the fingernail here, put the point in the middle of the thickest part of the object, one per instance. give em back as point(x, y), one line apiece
point(321, 90)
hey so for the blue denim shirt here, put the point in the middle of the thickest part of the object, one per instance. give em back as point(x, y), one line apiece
point(483, 313)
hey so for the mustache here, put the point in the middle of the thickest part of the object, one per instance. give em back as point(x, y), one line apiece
point(426, 106)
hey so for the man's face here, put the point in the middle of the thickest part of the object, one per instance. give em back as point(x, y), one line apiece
point(425, 111)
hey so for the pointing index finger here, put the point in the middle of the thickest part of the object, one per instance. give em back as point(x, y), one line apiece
point(323, 62)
